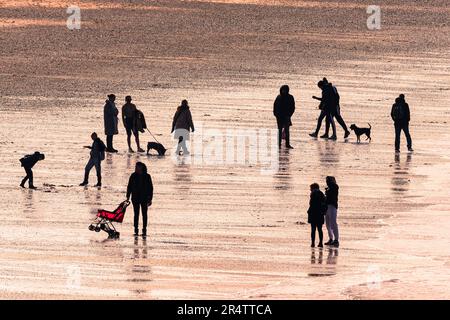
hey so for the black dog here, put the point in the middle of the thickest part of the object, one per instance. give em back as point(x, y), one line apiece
point(158, 147)
point(360, 131)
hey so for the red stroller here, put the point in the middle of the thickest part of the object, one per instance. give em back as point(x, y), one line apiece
point(105, 219)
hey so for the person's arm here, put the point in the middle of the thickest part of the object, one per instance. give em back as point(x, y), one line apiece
point(408, 113)
point(317, 98)
point(276, 108)
point(150, 191)
point(392, 112)
point(123, 115)
point(191, 123)
point(130, 183)
point(292, 107)
point(175, 116)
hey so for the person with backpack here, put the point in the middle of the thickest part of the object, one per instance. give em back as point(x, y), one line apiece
point(316, 213)
point(181, 124)
point(97, 155)
point(140, 189)
point(331, 196)
point(283, 110)
point(129, 117)
point(28, 163)
point(110, 119)
point(401, 116)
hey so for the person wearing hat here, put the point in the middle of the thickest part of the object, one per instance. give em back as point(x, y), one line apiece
point(129, 111)
point(28, 163)
point(110, 114)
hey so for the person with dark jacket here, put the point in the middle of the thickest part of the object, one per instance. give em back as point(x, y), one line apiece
point(181, 124)
point(283, 109)
point(129, 115)
point(110, 113)
point(140, 188)
point(316, 212)
point(97, 155)
point(331, 195)
point(28, 163)
point(401, 115)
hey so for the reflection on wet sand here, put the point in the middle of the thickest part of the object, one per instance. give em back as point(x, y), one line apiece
point(331, 261)
point(141, 273)
point(400, 180)
point(283, 177)
point(182, 174)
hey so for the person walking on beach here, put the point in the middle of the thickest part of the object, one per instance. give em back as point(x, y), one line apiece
point(129, 113)
point(331, 195)
point(97, 155)
point(28, 163)
point(316, 212)
point(328, 105)
point(337, 116)
point(140, 188)
point(283, 110)
point(110, 118)
point(181, 124)
point(400, 114)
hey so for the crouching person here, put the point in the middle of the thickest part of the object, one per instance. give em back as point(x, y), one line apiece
point(28, 163)
point(316, 212)
point(97, 155)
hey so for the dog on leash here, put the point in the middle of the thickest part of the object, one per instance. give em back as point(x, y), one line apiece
point(360, 131)
point(156, 146)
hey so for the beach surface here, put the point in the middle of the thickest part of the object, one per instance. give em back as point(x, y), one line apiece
point(221, 226)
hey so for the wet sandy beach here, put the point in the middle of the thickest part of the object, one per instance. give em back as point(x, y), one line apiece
point(219, 229)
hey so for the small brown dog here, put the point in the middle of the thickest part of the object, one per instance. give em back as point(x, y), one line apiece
point(360, 131)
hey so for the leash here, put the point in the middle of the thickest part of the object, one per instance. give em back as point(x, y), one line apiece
point(153, 136)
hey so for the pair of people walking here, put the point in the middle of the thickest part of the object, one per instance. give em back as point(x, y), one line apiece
point(330, 109)
point(323, 208)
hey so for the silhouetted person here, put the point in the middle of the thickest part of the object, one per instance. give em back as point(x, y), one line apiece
point(97, 155)
point(28, 163)
point(110, 118)
point(329, 108)
point(331, 195)
point(181, 124)
point(316, 212)
point(283, 109)
point(129, 114)
point(337, 116)
point(140, 188)
point(401, 116)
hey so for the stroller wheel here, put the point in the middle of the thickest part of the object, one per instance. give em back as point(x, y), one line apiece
point(91, 227)
point(97, 229)
point(117, 235)
point(102, 226)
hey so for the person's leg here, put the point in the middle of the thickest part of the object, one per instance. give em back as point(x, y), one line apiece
point(30, 178)
point(408, 135)
point(136, 206)
point(144, 218)
point(136, 136)
point(98, 169)
point(327, 125)
point(287, 134)
point(87, 169)
point(109, 142)
point(341, 121)
point(280, 131)
point(398, 129)
point(333, 125)
point(328, 225)
point(313, 234)
point(334, 225)
point(319, 230)
point(129, 140)
point(27, 171)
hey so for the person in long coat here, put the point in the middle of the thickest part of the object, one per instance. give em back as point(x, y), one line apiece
point(110, 117)
point(316, 213)
point(181, 124)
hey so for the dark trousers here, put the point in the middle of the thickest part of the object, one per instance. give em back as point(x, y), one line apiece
point(28, 177)
point(315, 226)
point(109, 142)
point(144, 209)
point(322, 116)
point(399, 126)
point(283, 124)
point(339, 120)
point(93, 162)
